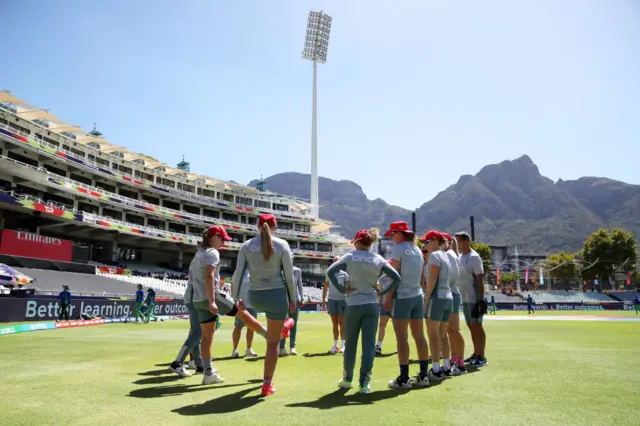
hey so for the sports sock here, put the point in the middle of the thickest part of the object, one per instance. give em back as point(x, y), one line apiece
point(262, 332)
point(404, 372)
point(266, 381)
point(379, 344)
point(435, 366)
point(208, 368)
point(424, 366)
point(445, 364)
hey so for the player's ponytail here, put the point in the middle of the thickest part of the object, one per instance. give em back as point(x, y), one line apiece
point(266, 241)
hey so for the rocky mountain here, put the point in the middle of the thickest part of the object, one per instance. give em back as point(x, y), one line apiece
point(513, 204)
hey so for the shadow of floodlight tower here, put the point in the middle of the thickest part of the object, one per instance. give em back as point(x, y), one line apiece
point(316, 45)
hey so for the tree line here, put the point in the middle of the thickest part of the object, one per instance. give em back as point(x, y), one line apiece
point(604, 254)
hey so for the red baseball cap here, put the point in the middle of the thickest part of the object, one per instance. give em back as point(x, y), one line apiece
point(267, 218)
point(362, 234)
point(432, 235)
point(397, 227)
point(220, 231)
point(447, 236)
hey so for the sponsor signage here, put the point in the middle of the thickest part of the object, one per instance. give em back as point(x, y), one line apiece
point(26, 244)
point(42, 309)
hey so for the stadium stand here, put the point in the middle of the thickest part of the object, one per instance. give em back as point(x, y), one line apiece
point(172, 286)
point(625, 295)
point(83, 284)
point(565, 296)
point(503, 298)
point(312, 294)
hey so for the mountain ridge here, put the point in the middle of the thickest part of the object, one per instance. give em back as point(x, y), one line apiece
point(512, 202)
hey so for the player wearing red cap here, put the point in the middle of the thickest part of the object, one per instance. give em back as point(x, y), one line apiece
point(364, 267)
point(270, 264)
point(456, 339)
point(407, 305)
point(209, 301)
point(439, 301)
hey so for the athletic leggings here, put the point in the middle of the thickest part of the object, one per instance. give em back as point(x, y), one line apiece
point(192, 344)
point(294, 330)
point(360, 318)
point(64, 312)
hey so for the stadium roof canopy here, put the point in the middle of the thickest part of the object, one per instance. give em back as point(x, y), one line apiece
point(29, 112)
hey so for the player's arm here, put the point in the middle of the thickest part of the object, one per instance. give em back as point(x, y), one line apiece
point(332, 273)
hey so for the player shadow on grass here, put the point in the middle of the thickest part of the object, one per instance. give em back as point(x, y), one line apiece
point(158, 380)
point(225, 404)
point(339, 398)
point(161, 372)
point(309, 355)
point(387, 355)
point(163, 391)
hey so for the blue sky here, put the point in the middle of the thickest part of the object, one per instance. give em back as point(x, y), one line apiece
point(421, 85)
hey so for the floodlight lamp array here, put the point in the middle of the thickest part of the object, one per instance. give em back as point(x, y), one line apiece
point(316, 42)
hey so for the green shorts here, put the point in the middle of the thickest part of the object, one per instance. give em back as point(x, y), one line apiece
point(467, 308)
point(274, 303)
point(226, 306)
point(408, 309)
point(336, 307)
point(457, 301)
point(238, 322)
point(439, 309)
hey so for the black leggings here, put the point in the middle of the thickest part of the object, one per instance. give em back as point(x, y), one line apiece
point(64, 312)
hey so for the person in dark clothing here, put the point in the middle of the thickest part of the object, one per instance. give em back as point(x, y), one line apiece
point(139, 302)
point(530, 304)
point(150, 302)
point(64, 299)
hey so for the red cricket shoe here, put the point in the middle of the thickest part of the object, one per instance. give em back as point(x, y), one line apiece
point(288, 325)
point(268, 390)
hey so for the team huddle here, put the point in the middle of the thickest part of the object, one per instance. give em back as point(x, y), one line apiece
point(364, 290)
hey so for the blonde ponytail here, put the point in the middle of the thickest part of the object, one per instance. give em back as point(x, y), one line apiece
point(266, 241)
point(454, 246)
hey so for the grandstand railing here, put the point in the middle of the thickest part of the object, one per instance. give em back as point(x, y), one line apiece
point(199, 219)
point(96, 168)
point(130, 228)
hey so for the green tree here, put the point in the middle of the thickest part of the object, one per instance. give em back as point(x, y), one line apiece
point(562, 266)
point(485, 253)
point(615, 250)
point(507, 278)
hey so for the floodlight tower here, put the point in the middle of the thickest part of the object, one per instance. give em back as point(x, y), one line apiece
point(315, 50)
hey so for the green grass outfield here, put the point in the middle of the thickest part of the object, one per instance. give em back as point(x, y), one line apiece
point(540, 373)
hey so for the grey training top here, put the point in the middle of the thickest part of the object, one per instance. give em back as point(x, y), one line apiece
point(197, 270)
point(333, 293)
point(364, 269)
point(188, 293)
point(275, 273)
point(442, 289)
point(454, 262)
point(470, 268)
point(410, 258)
point(244, 290)
point(297, 277)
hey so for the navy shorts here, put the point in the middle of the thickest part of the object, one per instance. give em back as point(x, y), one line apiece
point(274, 303)
point(409, 308)
point(336, 307)
point(439, 309)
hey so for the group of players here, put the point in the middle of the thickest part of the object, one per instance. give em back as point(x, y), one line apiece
point(364, 290)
